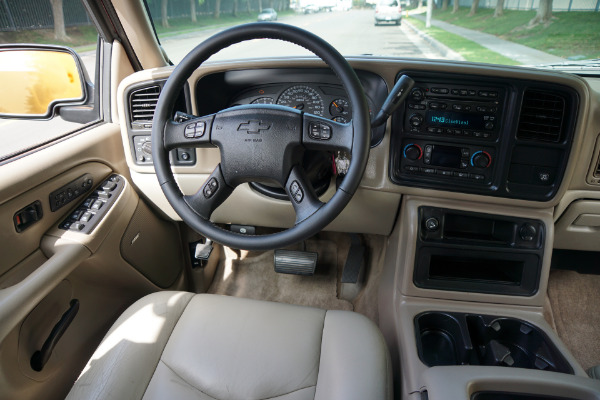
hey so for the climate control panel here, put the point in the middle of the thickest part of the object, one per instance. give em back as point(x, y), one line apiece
point(470, 163)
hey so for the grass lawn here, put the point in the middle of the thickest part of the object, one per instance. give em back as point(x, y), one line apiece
point(470, 50)
point(574, 34)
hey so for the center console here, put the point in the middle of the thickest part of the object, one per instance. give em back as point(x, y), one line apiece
point(498, 137)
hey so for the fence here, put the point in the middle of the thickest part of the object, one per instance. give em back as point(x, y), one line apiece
point(557, 5)
point(16, 15)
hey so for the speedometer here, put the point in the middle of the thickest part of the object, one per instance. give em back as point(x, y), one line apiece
point(302, 98)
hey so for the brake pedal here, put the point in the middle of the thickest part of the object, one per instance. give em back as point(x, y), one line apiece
point(295, 262)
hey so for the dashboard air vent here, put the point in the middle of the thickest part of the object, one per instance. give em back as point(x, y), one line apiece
point(142, 103)
point(542, 116)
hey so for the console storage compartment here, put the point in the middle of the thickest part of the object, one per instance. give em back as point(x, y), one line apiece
point(445, 338)
point(463, 251)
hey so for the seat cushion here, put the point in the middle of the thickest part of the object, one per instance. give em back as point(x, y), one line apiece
point(179, 345)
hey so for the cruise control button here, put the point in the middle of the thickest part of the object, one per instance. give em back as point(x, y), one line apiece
point(325, 132)
point(200, 129)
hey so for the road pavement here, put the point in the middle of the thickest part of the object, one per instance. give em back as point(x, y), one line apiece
point(351, 32)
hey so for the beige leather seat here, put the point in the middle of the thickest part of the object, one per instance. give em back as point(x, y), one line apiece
point(177, 345)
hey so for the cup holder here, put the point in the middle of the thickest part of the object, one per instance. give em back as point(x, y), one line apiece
point(469, 339)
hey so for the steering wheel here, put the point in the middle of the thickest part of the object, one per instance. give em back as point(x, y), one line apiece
point(263, 143)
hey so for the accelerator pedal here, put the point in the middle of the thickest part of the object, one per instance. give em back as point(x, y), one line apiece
point(295, 262)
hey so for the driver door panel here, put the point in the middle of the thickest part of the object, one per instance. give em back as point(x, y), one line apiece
point(44, 268)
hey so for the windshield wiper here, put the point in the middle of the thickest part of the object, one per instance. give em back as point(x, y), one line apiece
point(582, 65)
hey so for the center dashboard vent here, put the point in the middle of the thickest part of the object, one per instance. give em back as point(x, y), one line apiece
point(542, 116)
point(142, 103)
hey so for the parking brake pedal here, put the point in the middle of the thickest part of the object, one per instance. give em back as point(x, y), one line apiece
point(295, 262)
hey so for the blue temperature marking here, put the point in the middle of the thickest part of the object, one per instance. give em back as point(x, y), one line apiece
point(477, 152)
point(406, 147)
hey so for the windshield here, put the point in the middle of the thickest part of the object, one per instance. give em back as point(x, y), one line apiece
point(508, 32)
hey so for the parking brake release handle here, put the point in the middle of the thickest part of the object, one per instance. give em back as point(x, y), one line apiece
point(394, 99)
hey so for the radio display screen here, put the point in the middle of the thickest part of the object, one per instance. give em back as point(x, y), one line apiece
point(445, 156)
point(454, 119)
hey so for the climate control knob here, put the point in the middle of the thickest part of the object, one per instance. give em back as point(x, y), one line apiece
point(413, 152)
point(481, 159)
point(415, 120)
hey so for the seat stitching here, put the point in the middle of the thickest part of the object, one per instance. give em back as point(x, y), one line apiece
point(167, 342)
point(320, 353)
point(185, 381)
point(285, 394)
point(212, 397)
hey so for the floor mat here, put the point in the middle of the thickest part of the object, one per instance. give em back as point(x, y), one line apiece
point(251, 275)
point(575, 299)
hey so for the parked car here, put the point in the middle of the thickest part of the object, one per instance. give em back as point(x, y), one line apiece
point(388, 11)
point(259, 223)
point(267, 14)
point(311, 9)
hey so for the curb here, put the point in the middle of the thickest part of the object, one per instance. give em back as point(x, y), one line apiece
point(444, 50)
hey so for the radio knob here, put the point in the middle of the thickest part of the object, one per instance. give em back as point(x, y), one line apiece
point(417, 94)
point(481, 159)
point(416, 119)
point(413, 152)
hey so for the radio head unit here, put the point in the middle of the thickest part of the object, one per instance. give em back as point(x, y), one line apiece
point(454, 110)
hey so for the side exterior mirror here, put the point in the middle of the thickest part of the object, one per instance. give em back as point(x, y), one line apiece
point(39, 81)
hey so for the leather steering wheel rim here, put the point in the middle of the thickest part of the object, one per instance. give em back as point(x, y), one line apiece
point(163, 140)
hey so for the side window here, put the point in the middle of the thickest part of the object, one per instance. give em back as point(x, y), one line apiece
point(57, 22)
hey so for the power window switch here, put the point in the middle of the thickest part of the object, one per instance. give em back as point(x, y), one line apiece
point(97, 205)
point(86, 217)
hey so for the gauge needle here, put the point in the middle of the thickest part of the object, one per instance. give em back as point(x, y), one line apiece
point(337, 107)
point(299, 106)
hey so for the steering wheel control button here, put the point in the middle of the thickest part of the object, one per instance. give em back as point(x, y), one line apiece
point(210, 188)
point(319, 131)
point(200, 129)
point(189, 131)
point(296, 191)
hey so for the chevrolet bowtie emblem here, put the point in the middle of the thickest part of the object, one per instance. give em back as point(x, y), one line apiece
point(254, 126)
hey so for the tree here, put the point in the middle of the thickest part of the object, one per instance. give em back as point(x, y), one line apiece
point(499, 12)
point(259, 5)
point(60, 32)
point(248, 6)
point(543, 14)
point(444, 5)
point(455, 6)
point(217, 13)
point(474, 7)
point(164, 13)
point(234, 8)
point(193, 10)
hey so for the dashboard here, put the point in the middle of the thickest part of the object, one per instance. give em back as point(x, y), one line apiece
point(461, 134)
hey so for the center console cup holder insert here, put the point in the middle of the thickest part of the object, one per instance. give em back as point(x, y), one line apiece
point(446, 338)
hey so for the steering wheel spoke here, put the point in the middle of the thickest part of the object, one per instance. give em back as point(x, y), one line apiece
point(301, 194)
point(320, 133)
point(195, 132)
point(210, 196)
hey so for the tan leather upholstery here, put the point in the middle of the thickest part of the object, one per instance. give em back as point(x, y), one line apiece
point(175, 345)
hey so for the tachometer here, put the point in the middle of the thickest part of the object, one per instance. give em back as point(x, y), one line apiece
point(302, 98)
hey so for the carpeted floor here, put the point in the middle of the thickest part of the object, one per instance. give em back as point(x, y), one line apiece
point(574, 300)
point(251, 275)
